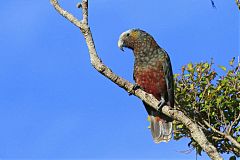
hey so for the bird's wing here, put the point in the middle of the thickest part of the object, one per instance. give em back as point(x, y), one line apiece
point(167, 68)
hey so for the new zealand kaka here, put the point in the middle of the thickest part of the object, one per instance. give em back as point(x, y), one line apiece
point(153, 73)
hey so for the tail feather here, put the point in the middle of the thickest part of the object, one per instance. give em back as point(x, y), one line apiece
point(160, 125)
point(160, 129)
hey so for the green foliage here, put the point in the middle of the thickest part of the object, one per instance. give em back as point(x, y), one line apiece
point(208, 98)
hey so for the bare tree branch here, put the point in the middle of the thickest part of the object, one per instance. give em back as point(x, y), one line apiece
point(196, 132)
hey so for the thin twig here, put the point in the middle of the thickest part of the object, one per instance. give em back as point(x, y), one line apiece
point(227, 136)
point(235, 120)
point(213, 4)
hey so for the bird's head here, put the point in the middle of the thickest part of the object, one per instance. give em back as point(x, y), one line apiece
point(131, 38)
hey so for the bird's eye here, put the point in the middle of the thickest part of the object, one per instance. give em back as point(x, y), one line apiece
point(128, 34)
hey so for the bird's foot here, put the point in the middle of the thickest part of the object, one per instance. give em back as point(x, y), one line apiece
point(161, 104)
point(135, 87)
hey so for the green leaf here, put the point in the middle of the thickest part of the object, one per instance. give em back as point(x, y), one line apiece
point(190, 68)
point(148, 119)
point(233, 158)
point(238, 139)
point(232, 61)
point(176, 75)
point(192, 86)
point(180, 126)
point(238, 128)
point(206, 65)
point(222, 67)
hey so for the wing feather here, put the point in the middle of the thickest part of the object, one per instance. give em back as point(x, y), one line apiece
point(167, 68)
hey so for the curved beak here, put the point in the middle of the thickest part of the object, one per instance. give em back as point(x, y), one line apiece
point(120, 44)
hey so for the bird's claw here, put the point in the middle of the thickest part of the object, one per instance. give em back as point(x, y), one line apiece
point(135, 87)
point(161, 104)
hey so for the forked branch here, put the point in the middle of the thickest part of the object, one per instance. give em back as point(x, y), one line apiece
point(225, 135)
point(196, 132)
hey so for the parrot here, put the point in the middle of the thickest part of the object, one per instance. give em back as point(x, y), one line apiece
point(152, 73)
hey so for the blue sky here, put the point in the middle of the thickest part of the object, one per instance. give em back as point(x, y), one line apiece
point(53, 104)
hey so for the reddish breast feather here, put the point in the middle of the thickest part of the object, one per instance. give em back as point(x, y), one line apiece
point(152, 81)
